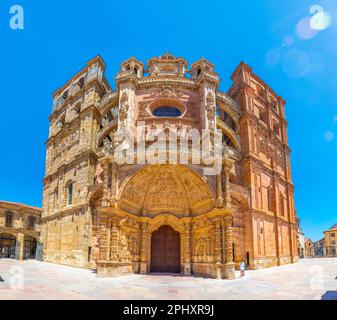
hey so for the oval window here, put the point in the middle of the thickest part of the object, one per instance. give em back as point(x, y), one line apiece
point(167, 112)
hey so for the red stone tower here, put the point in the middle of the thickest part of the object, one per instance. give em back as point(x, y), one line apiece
point(270, 220)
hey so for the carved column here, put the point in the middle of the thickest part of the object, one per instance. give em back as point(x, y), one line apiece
point(107, 175)
point(226, 169)
point(143, 247)
point(220, 201)
point(104, 238)
point(114, 182)
point(218, 248)
point(229, 265)
point(114, 239)
point(188, 249)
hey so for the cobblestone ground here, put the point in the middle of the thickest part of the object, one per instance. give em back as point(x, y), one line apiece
point(308, 279)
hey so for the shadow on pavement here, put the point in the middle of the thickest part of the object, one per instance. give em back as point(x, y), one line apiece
point(329, 295)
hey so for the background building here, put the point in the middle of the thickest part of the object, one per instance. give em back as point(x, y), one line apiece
point(163, 217)
point(309, 251)
point(320, 247)
point(19, 231)
point(330, 238)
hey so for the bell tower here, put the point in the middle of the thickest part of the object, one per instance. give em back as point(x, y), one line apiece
point(271, 220)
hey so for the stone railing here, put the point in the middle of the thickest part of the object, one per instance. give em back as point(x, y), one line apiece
point(124, 74)
point(224, 97)
point(154, 79)
point(107, 97)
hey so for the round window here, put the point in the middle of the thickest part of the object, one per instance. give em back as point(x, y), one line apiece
point(166, 111)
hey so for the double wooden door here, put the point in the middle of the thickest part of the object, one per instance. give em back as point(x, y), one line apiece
point(165, 251)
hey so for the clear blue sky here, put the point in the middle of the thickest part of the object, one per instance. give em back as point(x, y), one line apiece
point(60, 36)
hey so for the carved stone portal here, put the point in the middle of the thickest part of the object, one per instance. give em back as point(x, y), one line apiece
point(174, 240)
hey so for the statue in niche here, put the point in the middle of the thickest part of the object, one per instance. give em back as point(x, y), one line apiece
point(123, 108)
point(210, 108)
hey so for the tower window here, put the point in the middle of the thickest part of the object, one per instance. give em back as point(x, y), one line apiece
point(70, 193)
point(167, 112)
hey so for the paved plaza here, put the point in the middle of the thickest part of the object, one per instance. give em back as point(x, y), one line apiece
point(309, 279)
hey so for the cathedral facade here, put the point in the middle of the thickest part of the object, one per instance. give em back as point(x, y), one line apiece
point(143, 216)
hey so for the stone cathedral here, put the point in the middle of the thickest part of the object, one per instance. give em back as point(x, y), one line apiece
point(161, 217)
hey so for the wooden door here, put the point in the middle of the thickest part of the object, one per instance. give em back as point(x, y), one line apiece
point(165, 250)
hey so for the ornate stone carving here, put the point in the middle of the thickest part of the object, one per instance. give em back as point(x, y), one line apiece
point(210, 109)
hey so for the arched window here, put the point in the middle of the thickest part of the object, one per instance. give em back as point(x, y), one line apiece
point(166, 111)
point(70, 188)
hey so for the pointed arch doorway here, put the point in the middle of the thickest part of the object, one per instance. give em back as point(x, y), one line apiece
point(165, 250)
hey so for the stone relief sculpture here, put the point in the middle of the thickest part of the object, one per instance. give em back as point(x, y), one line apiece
point(210, 109)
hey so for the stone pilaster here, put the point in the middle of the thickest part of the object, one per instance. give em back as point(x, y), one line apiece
point(107, 176)
point(218, 248)
point(226, 169)
point(114, 182)
point(188, 249)
point(21, 240)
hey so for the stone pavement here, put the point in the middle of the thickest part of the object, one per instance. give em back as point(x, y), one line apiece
point(308, 279)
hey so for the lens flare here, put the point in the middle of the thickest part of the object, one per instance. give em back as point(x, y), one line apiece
point(288, 40)
point(273, 57)
point(329, 136)
point(295, 63)
point(304, 30)
point(320, 21)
